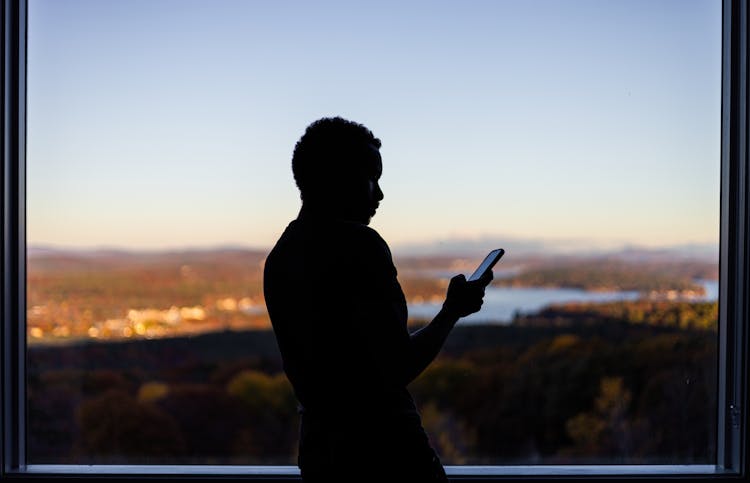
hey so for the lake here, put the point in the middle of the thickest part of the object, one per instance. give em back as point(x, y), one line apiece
point(501, 303)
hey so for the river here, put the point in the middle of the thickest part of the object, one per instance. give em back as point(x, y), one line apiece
point(501, 303)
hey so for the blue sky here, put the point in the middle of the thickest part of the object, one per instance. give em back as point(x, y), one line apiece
point(155, 123)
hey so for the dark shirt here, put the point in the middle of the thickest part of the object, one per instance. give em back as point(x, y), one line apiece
point(339, 316)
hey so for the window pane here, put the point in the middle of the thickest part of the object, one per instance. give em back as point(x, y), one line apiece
point(581, 136)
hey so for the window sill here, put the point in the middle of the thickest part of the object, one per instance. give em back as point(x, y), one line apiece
point(452, 471)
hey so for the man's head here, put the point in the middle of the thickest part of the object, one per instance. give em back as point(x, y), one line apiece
point(337, 165)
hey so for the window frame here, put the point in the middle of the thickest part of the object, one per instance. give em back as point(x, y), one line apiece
point(734, 279)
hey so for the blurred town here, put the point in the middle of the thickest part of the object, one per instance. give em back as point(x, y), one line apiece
point(107, 295)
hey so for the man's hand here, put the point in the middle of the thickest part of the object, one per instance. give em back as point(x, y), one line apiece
point(464, 297)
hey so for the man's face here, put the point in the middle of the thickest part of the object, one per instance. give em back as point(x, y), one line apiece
point(366, 194)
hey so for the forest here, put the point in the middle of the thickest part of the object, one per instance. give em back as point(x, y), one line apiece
point(625, 383)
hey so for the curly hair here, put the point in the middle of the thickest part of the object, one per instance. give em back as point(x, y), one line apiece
point(329, 153)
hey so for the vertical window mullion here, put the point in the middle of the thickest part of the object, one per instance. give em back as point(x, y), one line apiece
point(14, 226)
point(734, 239)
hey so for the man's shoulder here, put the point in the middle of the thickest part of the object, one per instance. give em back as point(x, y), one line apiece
point(336, 242)
point(364, 232)
point(285, 237)
point(336, 233)
point(284, 248)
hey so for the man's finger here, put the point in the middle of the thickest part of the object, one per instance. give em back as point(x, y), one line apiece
point(484, 280)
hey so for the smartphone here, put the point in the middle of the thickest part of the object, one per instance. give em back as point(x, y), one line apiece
point(489, 261)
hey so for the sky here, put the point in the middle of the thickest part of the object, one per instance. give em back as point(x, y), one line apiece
point(170, 124)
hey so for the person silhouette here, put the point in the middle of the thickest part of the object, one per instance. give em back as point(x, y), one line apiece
point(340, 318)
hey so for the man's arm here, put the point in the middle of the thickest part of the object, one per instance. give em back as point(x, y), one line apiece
point(463, 298)
point(401, 356)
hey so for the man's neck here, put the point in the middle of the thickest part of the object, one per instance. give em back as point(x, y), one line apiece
point(322, 212)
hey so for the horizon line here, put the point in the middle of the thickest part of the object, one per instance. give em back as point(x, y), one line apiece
point(452, 246)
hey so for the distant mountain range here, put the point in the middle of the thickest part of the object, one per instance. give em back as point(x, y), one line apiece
point(524, 247)
point(455, 247)
point(36, 251)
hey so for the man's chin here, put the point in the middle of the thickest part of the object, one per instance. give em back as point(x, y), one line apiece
point(367, 218)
